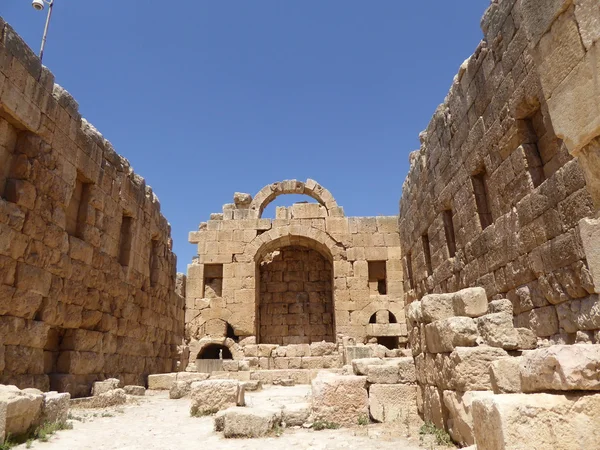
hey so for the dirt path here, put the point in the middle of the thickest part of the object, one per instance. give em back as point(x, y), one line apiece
point(156, 422)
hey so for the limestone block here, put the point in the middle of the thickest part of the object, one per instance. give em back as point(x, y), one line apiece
point(470, 302)
point(554, 422)
point(352, 352)
point(460, 416)
point(100, 387)
point(162, 381)
point(210, 396)
point(298, 350)
point(414, 313)
point(339, 399)
point(505, 375)
point(561, 367)
point(295, 414)
point(248, 422)
point(265, 350)
point(468, 368)
point(382, 374)
point(138, 391)
point(180, 389)
point(527, 339)
point(497, 330)
point(231, 365)
point(590, 238)
point(434, 410)
point(55, 407)
point(437, 307)
point(3, 407)
point(406, 368)
point(442, 336)
point(538, 15)
point(360, 366)
point(252, 385)
point(312, 362)
point(23, 409)
point(395, 403)
point(322, 348)
point(191, 376)
point(502, 305)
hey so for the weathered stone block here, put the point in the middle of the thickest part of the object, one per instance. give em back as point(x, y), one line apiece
point(553, 422)
point(162, 381)
point(339, 399)
point(296, 414)
point(210, 396)
point(470, 302)
point(248, 422)
point(505, 375)
point(394, 403)
point(100, 387)
point(561, 367)
point(55, 407)
point(383, 374)
point(361, 366)
point(23, 410)
point(497, 330)
point(460, 414)
point(138, 391)
point(468, 368)
point(442, 336)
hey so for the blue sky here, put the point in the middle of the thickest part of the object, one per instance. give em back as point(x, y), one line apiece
point(208, 98)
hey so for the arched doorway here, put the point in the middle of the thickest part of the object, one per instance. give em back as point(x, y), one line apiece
point(295, 294)
point(214, 351)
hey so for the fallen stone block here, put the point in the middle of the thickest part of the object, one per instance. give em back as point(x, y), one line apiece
point(180, 389)
point(437, 307)
point(295, 414)
point(537, 421)
point(505, 375)
point(527, 339)
point(460, 415)
point(360, 366)
point(561, 367)
point(395, 403)
point(252, 385)
point(138, 391)
point(111, 398)
point(55, 407)
point(161, 381)
point(503, 305)
point(192, 376)
point(100, 387)
point(248, 422)
point(470, 302)
point(339, 399)
point(497, 330)
point(443, 336)
point(23, 410)
point(210, 396)
point(468, 368)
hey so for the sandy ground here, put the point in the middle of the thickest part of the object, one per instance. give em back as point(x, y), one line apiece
point(155, 422)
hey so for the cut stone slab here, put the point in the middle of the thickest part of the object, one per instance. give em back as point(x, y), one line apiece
point(505, 375)
point(180, 389)
point(23, 409)
point(561, 367)
point(406, 369)
point(100, 387)
point(252, 385)
point(382, 374)
point(443, 336)
point(139, 391)
point(161, 381)
point(360, 366)
point(55, 407)
point(295, 414)
point(437, 307)
point(537, 421)
point(248, 422)
point(470, 302)
point(340, 399)
point(468, 368)
point(352, 352)
point(3, 407)
point(210, 396)
point(395, 403)
point(497, 330)
point(460, 417)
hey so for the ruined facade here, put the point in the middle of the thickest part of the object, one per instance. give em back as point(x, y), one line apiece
point(87, 275)
point(503, 191)
point(306, 276)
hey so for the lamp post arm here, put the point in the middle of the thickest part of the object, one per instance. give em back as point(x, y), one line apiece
point(50, 5)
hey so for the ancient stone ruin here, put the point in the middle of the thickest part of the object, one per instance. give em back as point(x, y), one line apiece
point(475, 312)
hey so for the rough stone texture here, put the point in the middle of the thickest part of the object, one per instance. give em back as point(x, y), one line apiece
point(361, 366)
point(395, 403)
point(505, 375)
point(248, 422)
point(3, 408)
point(138, 391)
point(162, 381)
point(211, 396)
point(180, 389)
point(100, 387)
point(87, 274)
point(460, 415)
point(383, 374)
point(469, 367)
point(554, 422)
point(497, 330)
point(561, 367)
point(505, 187)
point(283, 277)
point(339, 399)
point(296, 414)
point(55, 407)
point(443, 336)
point(23, 410)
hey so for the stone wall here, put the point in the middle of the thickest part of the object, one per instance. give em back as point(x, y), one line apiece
point(361, 269)
point(503, 191)
point(87, 275)
point(296, 299)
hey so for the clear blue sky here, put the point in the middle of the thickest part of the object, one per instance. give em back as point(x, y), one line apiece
point(210, 97)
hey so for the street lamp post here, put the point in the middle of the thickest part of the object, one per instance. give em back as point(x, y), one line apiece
point(39, 6)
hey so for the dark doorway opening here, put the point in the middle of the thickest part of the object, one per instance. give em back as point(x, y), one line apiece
point(215, 351)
